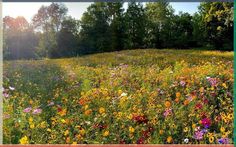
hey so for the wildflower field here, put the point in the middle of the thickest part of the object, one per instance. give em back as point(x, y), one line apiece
point(128, 97)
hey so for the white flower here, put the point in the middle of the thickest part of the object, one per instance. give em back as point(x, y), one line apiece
point(11, 88)
point(123, 94)
point(186, 140)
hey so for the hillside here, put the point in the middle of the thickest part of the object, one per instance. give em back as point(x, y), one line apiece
point(133, 96)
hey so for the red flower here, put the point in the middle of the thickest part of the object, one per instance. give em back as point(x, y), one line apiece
point(206, 122)
point(198, 106)
point(140, 141)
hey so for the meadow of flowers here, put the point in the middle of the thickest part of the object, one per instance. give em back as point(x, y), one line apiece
point(128, 97)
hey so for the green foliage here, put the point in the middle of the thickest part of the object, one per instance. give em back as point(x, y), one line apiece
point(107, 26)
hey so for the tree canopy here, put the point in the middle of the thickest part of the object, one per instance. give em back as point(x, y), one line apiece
point(107, 26)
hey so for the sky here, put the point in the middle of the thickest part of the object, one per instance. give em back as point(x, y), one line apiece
point(76, 9)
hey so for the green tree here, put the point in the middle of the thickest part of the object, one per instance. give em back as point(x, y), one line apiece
point(95, 34)
point(218, 20)
point(19, 39)
point(67, 39)
point(135, 26)
point(160, 15)
point(48, 22)
point(117, 25)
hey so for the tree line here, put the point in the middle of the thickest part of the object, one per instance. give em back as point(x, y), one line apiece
point(106, 27)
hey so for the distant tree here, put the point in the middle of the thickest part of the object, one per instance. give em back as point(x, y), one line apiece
point(117, 25)
point(135, 21)
point(67, 39)
point(182, 31)
point(19, 39)
point(218, 20)
point(199, 31)
point(160, 15)
point(95, 35)
point(48, 22)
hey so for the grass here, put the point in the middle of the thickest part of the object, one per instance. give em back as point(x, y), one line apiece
point(133, 96)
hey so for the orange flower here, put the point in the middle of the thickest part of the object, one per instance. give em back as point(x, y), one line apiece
point(88, 112)
point(169, 139)
point(186, 102)
point(177, 100)
point(167, 104)
point(178, 95)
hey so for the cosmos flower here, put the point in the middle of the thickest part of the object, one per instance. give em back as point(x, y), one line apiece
point(223, 141)
point(37, 111)
point(27, 110)
point(198, 135)
point(11, 88)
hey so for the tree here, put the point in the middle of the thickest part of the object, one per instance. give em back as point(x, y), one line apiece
point(95, 34)
point(218, 20)
point(67, 39)
point(19, 39)
point(117, 25)
point(182, 31)
point(48, 22)
point(135, 25)
point(160, 15)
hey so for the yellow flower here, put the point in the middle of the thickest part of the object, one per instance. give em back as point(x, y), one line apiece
point(211, 139)
point(66, 132)
point(169, 139)
point(74, 142)
point(79, 137)
point(131, 129)
point(63, 120)
point(230, 116)
point(86, 107)
point(31, 102)
point(101, 110)
point(82, 132)
point(49, 130)
point(161, 132)
point(30, 119)
point(43, 124)
point(224, 85)
point(106, 133)
point(193, 126)
point(222, 129)
point(32, 126)
point(24, 140)
point(186, 129)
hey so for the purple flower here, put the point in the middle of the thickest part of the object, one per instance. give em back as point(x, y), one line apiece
point(167, 112)
point(182, 83)
point(223, 141)
point(212, 81)
point(37, 111)
point(6, 95)
point(27, 110)
point(198, 135)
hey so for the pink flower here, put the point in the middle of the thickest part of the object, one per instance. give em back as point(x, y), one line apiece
point(182, 83)
point(212, 81)
point(167, 112)
point(37, 111)
point(198, 135)
point(6, 95)
point(27, 110)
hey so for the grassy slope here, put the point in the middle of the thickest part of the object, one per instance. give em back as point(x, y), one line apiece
point(139, 73)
